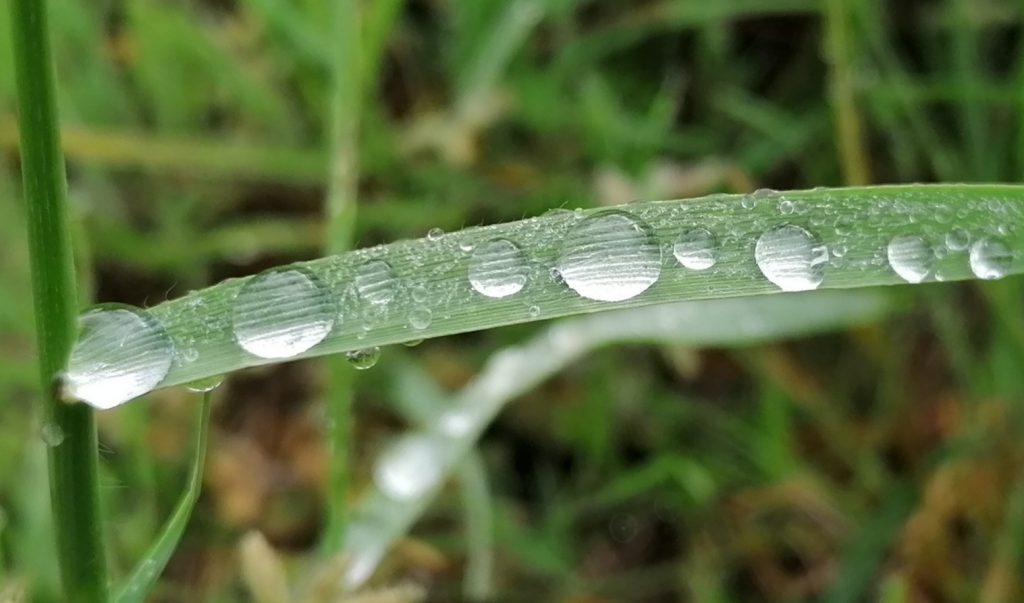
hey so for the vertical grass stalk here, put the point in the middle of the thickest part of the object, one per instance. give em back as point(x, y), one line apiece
point(342, 193)
point(841, 88)
point(72, 463)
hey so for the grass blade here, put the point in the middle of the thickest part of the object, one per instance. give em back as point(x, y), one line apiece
point(136, 588)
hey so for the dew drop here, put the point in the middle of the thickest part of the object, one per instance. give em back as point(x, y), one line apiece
point(410, 466)
point(364, 358)
point(498, 269)
point(208, 384)
point(533, 311)
point(121, 353)
point(610, 256)
point(281, 313)
point(52, 434)
point(958, 239)
point(696, 249)
point(910, 257)
point(791, 257)
point(420, 318)
point(412, 343)
point(466, 246)
point(435, 234)
point(375, 282)
point(419, 294)
point(786, 207)
point(990, 259)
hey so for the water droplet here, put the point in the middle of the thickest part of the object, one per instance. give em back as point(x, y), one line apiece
point(533, 311)
point(839, 251)
point(990, 259)
point(419, 294)
point(51, 434)
point(911, 258)
point(610, 256)
point(208, 384)
point(748, 202)
point(843, 226)
point(375, 282)
point(410, 466)
point(281, 313)
point(435, 234)
point(498, 269)
point(190, 354)
point(412, 343)
point(420, 318)
point(364, 358)
point(791, 257)
point(958, 239)
point(121, 353)
point(466, 246)
point(786, 207)
point(696, 249)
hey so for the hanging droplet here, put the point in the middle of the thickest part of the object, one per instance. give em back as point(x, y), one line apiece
point(363, 359)
point(206, 384)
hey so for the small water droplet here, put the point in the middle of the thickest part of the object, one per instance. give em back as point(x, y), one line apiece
point(839, 251)
point(208, 384)
point(190, 354)
point(610, 256)
point(533, 311)
point(121, 353)
point(791, 258)
point(435, 234)
point(412, 343)
point(410, 466)
point(498, 269)
point(282, 313)
point(748, 202)
point(911, 258)
point(843, 226)
point(786, 207)
point(990, 259)
point(364, 358)
point(958, 239)
point(52, 434)
point(420, 318)
point(376, 282)
point(419, 294)
point(466, 246)
point(696, 249)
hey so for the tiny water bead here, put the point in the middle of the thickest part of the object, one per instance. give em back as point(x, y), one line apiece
point(610, 256)
point(990, 259)
point(121, 353)
point(376, 282)
point(410, 466)
point(911, 257)
point(52, 434)
point(498, 269)
point(786, 207)
point(696, 249)
point(282, 313)
point(207, 384)
point(791, 258)
point(435, 234)
point(958, 239)
point(363, 359)
point(420, 318)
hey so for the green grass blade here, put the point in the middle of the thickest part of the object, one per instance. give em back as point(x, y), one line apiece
point(429, 293)
point(380, 519)
point(476, 497)
point(73, 477)
point(136, 588)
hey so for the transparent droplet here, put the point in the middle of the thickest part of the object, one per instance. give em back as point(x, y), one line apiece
point(990, 259)
point(376, 282)
point(207, 384)
point(533, 311)
point(412, 343)
point(610, 256)
point(791, 257)
point(786, 207)
point(420, 318)
point(843, 226)
point(364, 358)
point(498, 269)
point(839, 251)
point(282, 313)
point(435, 234)
point(52, 434)
point(466, 246)
point(411, 466)
point(958, 239)
point(696, 249)
point(910, 257)
point(121, 353)
point(419, 294)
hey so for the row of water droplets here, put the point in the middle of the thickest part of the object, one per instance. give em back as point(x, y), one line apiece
point(607, 256)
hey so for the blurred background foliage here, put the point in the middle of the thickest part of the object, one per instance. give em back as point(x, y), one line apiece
point(877, 463)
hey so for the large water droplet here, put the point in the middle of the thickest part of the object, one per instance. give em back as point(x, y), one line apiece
point(791, 257)
point(281, 313)
point(610, 256)
point(411, 466)
point(498, 269)
point(696, 249)
point(121, 353)
point(376, 282)
point(911, 258)
point(52, 434)
point(990, 259)
point(364, 358)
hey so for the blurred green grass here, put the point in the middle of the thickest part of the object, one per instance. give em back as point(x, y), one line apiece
point(877, 463)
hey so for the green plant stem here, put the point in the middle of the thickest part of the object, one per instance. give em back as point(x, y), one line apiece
point(73, 477)
point(342, 193)
point(847, 121)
